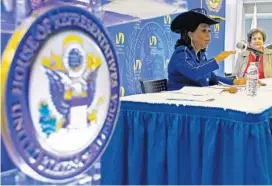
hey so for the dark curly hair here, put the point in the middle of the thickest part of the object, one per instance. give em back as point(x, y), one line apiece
point(255, 31)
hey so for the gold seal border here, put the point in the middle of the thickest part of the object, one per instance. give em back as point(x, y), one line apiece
point(7, 59)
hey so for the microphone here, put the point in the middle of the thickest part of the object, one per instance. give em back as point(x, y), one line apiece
point(244, 46)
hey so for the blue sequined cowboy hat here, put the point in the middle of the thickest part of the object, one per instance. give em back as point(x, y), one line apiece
point(191, 19)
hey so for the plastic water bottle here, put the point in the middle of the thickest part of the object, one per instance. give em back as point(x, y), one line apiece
point(252, 77)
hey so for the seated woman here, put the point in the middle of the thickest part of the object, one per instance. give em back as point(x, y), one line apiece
point(188, 65)
point(255, 38)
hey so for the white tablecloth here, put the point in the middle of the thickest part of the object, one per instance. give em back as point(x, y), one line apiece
point(239, 101)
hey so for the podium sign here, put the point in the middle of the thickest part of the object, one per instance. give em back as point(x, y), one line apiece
point(60, 92)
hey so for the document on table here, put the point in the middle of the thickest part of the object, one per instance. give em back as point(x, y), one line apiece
point(199, 91)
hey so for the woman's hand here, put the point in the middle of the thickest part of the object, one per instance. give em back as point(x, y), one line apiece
point(242, 81)
point(223, 55)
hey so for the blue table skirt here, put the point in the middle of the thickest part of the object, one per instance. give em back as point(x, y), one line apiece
point(166, 144)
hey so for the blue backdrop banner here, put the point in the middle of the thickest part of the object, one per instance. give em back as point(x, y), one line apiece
point(145, 46)
point(216, 9)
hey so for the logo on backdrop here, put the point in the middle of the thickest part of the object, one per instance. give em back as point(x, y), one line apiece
point(62, 93)
point(120, 43)
point(214, 5)
point(216, 30)
point(153, 41)
point(137, 66)
point(119, 38)
point(166, 62)
point(122, 91)
point(151, 48)
point(167, 22)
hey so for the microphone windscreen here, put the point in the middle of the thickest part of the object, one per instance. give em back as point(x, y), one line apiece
point(241, 45)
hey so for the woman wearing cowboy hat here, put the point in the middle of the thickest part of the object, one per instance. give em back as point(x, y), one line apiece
point(188, 65)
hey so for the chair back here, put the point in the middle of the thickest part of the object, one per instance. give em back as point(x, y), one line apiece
point(151, 86)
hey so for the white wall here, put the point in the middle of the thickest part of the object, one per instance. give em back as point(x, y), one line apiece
point(264, 18)
point(233, 30)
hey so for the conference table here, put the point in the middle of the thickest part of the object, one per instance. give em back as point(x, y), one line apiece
point(192, 136)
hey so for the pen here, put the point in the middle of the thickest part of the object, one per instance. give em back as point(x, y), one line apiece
point(176, 99)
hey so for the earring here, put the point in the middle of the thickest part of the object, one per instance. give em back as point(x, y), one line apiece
point(192, 44)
